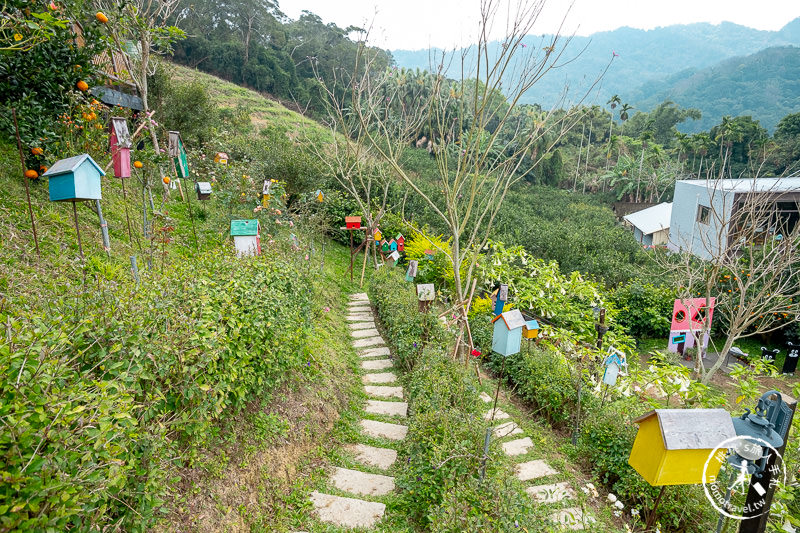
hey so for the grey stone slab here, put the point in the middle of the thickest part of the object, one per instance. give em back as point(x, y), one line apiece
point(533, 470)
point(485, 397)
point(378, 407)
point(517, 447)
point(553, 493)
point(383, 377)
point(384, 430)
point(571, 518)
point(498, 414)
point(375, 352)
point(362, 483)
point(361, 333)
point(384, 392)
point(361, 325)
point(359, 296)
point(376, 364)
point(372, 456)
point(506, 429)
point(353, 309)
point(346, 512)
point(359, 317)
point(368, 341)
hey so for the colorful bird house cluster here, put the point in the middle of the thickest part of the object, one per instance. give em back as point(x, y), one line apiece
point(673, 446)
point(246, 237)
point(689, 317)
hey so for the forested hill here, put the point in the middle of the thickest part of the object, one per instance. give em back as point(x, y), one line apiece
point(644, 56)
point(764, 85)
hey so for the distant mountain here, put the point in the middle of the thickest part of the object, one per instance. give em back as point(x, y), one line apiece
point(765, 85)
point(645, 56)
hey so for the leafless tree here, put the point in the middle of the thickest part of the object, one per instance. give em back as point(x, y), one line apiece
point(743, 251)
point(481, 147)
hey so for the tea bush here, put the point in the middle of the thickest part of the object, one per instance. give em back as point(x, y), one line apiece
point(645, 309)
point(114, 386)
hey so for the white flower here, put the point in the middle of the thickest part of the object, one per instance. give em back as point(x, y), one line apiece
point(634, 512)
point(617, 514)
point(611, 497)
point(619, 505)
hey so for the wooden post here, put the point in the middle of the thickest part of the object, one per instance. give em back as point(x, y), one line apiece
point(25, 179)
point(351, 256)
point(77, 229)
point(601, 329)
point(103, 228)
point(652, 517)
point(125, 203)
point(761, 504)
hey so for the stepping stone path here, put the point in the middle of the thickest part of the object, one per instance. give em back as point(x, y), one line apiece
point(379, 383)
point(537, 472)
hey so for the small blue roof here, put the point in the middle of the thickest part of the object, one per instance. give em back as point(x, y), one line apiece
point(532, 324)
point(70, 164)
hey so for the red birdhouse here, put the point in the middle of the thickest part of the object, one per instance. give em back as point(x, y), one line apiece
point(401, 243)
point(352, 222)
point(120, 145)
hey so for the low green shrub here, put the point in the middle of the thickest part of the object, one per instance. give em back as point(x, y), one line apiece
point(438, 383)
point(117, 386)
point(645, 309)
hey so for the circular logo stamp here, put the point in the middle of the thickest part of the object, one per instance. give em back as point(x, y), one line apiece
point(727, 489)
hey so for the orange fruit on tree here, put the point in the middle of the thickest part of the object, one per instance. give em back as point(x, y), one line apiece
point(165, 179)
point(101, 17)
point(37, 151)
point(82, 85)
point(31, 174)
point(138, 164)
point(42, 169)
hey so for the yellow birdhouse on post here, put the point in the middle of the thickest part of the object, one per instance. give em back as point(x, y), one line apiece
point(221, 158)
point(320, 196)
point(673, 445)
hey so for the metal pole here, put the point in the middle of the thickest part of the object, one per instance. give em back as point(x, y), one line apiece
point(103, 228)
point(25, 179)
point(135, 269)
point(77, 229)
point(486, 439)
point(652, 517)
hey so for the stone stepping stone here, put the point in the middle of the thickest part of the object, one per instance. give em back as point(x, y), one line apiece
point(346, 512)
point(359, 296)
point(571, 518)
point(384, 392)
point(359, 317)
point(361, 325)
point(498, 414)
point(533, 470)
point(368, 341)
point(506, 429)
point(375, 352)
point(354, 309)
point(554, 493)
point(517, 447)
point(357, 482)
point(384, 430)
point(370, 455)
point(378, 407)
point(376, 364)
point(360, 333)
point(485, 397)
point(384, 377)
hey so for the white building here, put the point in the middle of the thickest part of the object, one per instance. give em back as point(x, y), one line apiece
point(651, 225)
point(702, 210)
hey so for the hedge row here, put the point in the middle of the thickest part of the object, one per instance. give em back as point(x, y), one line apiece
point(118, 386)
point(441, 485)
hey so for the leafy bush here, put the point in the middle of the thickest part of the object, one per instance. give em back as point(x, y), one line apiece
point(116, 386)
point(645, 309)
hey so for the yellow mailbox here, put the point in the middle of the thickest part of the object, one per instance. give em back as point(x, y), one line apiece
point(673, 445)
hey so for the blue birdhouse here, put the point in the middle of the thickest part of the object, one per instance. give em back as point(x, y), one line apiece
point(393, 245)
point(507, 335)
point(75, 178)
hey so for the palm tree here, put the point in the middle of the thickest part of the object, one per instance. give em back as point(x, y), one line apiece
point(623, 112)
point(701, 142)
point(647, 135)
point(613, 102)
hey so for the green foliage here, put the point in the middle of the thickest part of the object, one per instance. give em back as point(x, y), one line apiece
point(645, 309)
point(115, 386)
point(184, 107)
point(41, 82)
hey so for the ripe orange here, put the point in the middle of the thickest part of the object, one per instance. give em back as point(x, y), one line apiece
point(138, 164)
point(42, 169)
point(165, 179)
point(100, 16)
point(82, 85)
point(31, 174)
point(37, 151)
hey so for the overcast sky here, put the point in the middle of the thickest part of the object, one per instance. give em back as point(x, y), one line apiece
point(417, 24)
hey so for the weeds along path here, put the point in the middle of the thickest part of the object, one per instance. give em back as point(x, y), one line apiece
point(356, 492)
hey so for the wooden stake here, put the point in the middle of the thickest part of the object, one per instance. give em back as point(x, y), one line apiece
point(77, 229)
point(25, 179)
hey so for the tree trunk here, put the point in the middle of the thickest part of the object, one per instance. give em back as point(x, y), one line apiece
point(720, 359)
point(639, 176)
point(578, 166)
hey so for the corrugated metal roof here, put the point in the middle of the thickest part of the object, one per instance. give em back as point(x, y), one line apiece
point(70, 164)
point(652, 219)
point(692, 429)
point(775, 185)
